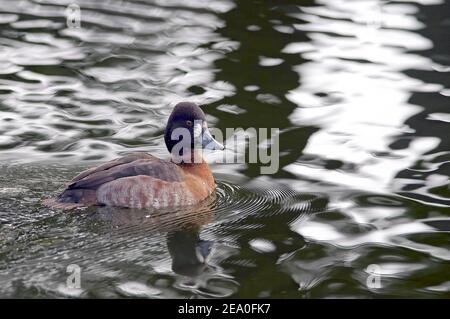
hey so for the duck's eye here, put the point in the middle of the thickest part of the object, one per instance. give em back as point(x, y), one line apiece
point(189, 123)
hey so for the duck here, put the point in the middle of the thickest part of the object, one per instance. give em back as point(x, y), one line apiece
point(141, 180)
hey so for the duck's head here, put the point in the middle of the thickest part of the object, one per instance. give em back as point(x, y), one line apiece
point(187, 131)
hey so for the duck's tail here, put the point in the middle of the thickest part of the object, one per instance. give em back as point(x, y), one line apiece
point(53, 203)
point(72, 198)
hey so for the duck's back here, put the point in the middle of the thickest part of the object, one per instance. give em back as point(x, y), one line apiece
point(137, 180)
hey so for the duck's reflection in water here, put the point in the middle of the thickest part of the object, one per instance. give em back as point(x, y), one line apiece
point(181, 228)
point(188, 251)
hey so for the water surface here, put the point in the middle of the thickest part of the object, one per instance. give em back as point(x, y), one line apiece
point(359, 91)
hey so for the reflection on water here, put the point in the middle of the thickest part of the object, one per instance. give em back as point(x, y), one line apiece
point(359, 90)
point(367, 101)
point(94, 91)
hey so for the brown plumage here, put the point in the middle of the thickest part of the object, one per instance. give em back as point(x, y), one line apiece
point(141, 180)
point(138, 180)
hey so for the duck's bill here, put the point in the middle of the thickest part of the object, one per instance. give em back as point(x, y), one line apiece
point(209, 143)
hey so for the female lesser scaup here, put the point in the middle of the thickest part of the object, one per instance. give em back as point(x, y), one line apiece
point(141, 180)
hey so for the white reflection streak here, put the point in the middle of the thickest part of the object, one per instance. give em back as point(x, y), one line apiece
point(396, 234)
point(361, 70)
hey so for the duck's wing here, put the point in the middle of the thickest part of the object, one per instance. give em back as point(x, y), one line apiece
point(82, 189)
point(118, 161)
point(131, 165)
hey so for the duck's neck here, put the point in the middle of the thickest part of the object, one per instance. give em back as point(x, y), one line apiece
point(198, 168)
point(192, 158)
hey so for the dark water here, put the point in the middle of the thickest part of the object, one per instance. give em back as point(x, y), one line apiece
point(359, 91)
